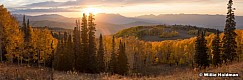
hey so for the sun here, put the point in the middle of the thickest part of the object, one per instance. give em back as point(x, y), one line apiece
point(91, 10)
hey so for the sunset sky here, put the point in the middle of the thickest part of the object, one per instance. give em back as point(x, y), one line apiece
point(130, 8)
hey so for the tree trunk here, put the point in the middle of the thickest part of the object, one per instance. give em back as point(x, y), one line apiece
point(18, 60)
point(239, 58)
point(44, 59)
point(192, 64)
point(21, 61)
point(1, 52)
point(38, 58)
point(52, 63)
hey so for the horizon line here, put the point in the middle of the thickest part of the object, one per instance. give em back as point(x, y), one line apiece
point(123, 15)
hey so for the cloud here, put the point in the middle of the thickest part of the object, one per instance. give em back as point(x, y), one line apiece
point(75, 5)
point(96, 2)
point(45, 4)
point(59, 4)
point(43, 10)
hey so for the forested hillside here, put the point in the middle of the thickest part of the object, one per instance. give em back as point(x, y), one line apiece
point(163, 32)
point(24, 44)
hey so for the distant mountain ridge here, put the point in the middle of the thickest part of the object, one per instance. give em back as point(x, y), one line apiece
point(200, 20)
point(49, 17)
point(111, 23)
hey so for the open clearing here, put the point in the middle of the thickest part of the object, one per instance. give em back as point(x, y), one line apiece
point(163, 72)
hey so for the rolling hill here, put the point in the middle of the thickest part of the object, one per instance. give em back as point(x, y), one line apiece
point(163, 32)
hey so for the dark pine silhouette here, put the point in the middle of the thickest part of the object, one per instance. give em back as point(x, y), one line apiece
point(84, 43)
point(100, 55)
point(92, 64)
point(122, 64)
point(216, 51)
point(201, 56)
point(77, 47)
point(113, 61)
point(229, 43)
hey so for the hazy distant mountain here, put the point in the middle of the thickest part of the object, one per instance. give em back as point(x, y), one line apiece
point(113, 18)
point(48, 17)
point(52, 24)
point(208, 21)
point(111, 23)
point(118, 19)
point(139, 23)
point(107, 18)
point(106, 23)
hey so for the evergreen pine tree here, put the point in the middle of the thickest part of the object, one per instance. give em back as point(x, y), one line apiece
point(92, 64)
point(29, 31)
point(216, 50)
point(135, 62)
point(65, 37)
point(66, 56)
point(1, 37)
point(100, 55)
point(24, 26)
point(70, 52)
point(59, 54)
point(113, 61)
point(78, 52)
point(84, 44)
point(1, 52)
point(201, 57)
point(229, 43)
point(197, 49)
point(28, 39)
point(122, 64)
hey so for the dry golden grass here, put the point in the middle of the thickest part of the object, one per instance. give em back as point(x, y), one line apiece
point(191, 74)
point(161, 72)
point(15, 72)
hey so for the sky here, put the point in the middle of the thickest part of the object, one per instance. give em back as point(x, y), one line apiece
point(129, 8)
